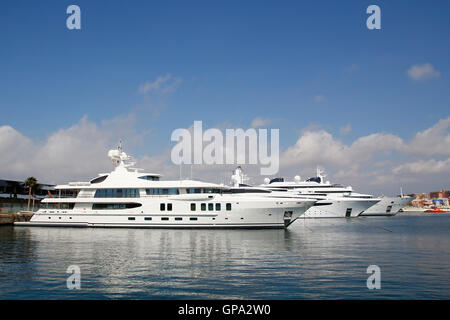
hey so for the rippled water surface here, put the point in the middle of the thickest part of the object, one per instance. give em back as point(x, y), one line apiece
point(313, 259)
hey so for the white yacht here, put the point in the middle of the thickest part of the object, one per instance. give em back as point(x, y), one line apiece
point(127, 197)
point(388, 206)
point(334, 201)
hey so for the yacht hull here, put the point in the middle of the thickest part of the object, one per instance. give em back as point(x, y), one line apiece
point(388, 206)
point(256, 213)
point(343, 208)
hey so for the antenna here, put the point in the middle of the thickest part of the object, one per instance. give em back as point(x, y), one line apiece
point(119, 147)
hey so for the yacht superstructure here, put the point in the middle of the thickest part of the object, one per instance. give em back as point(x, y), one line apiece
point(127, 197)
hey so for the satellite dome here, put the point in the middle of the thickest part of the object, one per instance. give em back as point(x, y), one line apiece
point(114, 153)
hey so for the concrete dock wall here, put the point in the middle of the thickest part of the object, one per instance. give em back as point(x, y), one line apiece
point(10, 218)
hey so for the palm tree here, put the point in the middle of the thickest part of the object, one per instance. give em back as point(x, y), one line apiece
point(36, 187)
point(30, 183)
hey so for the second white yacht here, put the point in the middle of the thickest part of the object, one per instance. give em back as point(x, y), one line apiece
point(334, 201)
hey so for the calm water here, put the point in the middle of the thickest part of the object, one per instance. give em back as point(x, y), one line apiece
point(313, 259)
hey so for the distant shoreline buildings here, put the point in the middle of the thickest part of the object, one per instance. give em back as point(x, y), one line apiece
point(432, 199)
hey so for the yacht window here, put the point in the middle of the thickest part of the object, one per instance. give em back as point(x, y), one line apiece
point(192, 190)
point(162, 206)
point(59, 206)
point(178, 219)
point(203, 206)
point(169, 207)
point(160, 191)
point(164, 218)
point(246, 190)
point(196, 190)
point(193, 219)
point(147, 218)
point(69, 193)
point(117, 193)
point(150, 178)
point(217, 206)
point(99, 179)
point(114, 206)
point(131, 218)
point(210, 206)
point(228, 206)
point(192, 206)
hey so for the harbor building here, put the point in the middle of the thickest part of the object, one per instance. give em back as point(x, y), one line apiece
point(14, 195)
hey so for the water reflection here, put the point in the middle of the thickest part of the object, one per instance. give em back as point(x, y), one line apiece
point(312, 259)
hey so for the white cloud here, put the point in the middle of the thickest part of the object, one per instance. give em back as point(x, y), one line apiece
point(320, 146)
point(313, 147)
point(260, 122)
point(424, 167)
point(163, 84)
point(423, 72)
point(78, 152)
point(14, 148)
point(432, 141)
point(379, 162)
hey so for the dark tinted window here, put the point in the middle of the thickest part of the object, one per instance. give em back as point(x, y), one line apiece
point(114, 206)
point(162, 191)
point(204, 190)
point(150, 178)
point(117, 193)
point(59, 205)
point(69, 193)
point(99, 179)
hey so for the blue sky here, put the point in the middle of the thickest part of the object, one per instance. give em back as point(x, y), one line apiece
point(297, 63)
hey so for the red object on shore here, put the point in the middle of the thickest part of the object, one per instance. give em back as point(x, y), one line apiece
point(435, 210)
